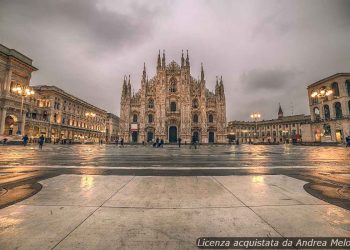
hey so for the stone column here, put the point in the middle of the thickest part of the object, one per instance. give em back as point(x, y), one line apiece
point(2, 120)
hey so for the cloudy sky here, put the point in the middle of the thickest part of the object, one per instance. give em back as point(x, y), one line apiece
point(266, 51)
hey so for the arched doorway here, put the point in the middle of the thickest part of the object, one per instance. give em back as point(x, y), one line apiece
point(196, 136)
point(211, 137)
point(10, 125)
point(150, 136)
point(134, 136)
point(172, 134)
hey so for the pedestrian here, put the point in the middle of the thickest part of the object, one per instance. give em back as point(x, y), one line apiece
point(25, 140)
point(161, 142)
point(179, 141)
point(194, 142)
point(41, 141)
point(116, 141)
point(157, 142)
point(4, 141)
point(347, 139)
point(122, 142)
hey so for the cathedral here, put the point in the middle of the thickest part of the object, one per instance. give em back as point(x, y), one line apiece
point(173, 105)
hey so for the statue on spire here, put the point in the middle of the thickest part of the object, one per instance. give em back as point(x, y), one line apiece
point(202, 72)
point(187, 60)
point(158, 61)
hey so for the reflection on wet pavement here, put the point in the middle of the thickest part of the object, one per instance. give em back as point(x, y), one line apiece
point(213, 156)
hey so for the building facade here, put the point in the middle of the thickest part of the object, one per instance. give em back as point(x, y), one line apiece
point(48, 111)
point(67, 117)
point(284, 129)
point(329, 103)
point(173, 105)
point(15, 71)
point(112, 128)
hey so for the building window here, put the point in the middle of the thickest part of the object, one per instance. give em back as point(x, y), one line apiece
point(173, 106)
point(349, 106)
point(195, 104)
point(317, 113)
point(134, 118)
point(151, 103)
point(172, 86)
point(338, 111)
point(347, 85)
point(210, 118)
point(335, 89)
point(150, 118)
point(274, 133)
point(195, 118)
point(327, 114)
point(326, 130)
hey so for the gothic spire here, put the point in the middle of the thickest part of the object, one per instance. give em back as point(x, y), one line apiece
point(163, 60)
point(182, 59)
point(144, 72)
point(158, 61)
point(202, 72)
point(187, 60)
point(129, 86)
point(280, 112)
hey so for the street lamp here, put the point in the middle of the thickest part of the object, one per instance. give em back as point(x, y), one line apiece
point(321, 93)
point(23, 92)
point(255, 116)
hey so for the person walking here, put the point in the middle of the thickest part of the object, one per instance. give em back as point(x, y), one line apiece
point(116, 141)
point(25, 140)
point(179, 141)
point(122, 142)
point(41, 141)
point(194, 142)
point(347, 139)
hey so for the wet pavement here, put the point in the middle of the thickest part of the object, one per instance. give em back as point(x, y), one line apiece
point(204, 156)
point(165, 212)
point(103, 196)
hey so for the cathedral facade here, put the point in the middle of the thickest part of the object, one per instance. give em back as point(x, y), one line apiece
point(173, 105)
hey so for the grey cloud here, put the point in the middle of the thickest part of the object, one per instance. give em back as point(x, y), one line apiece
point(81, 21)
point(271, 79)
point(267, 51)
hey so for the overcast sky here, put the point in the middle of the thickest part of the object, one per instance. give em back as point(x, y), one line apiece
point(266, 51)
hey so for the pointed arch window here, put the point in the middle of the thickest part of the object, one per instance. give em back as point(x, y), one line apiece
point(210, 118)
point(151, 103)
point(134, 118)
point(172, 86)
point(173, 106)
point(150, 118)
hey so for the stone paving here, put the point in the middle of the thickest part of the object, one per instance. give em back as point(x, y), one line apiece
point(140, 156)
point(164, 212)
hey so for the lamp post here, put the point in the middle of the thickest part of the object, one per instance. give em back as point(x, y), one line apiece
point(256, 116)
point(90, 115)
point(23, 92)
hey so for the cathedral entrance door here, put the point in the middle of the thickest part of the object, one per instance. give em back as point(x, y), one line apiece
point(134, 136)
point(149, 136)
point(172, 134)
point(211, 137)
